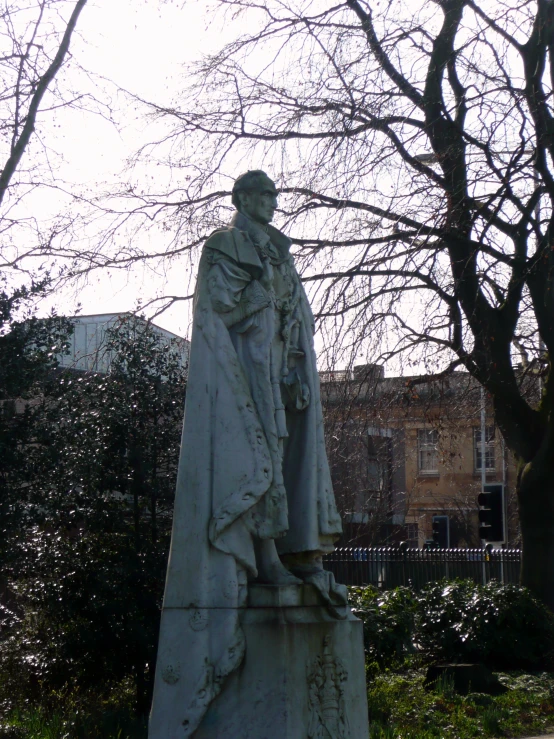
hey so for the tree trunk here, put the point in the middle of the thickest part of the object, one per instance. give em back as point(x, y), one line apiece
point(142, 696)
point(536, 512)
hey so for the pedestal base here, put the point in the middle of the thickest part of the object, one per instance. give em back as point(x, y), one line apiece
point(302, 677)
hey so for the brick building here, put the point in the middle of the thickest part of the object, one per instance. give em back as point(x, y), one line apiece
point(405, 449)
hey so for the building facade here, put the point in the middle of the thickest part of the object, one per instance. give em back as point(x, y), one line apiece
point(405, 450)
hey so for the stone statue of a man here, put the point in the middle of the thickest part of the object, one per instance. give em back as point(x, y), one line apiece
point(255, 292)
point(254, 500)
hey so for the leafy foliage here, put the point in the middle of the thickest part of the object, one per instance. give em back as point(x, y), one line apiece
point(28, 355)
point(91, 556)
point(399, 706)
point(388, 619)
point(503, 626)
point(71, 714)
point(500, 625)
point(28, 346)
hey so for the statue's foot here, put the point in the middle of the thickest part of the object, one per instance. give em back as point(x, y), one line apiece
point(309, 567)
point(271, 571)
point(276, 574)
point(334, 595)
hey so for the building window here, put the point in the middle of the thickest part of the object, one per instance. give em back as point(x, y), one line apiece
point(379, 465)
point(489, 449)
point(412, 534)
point(427, 451)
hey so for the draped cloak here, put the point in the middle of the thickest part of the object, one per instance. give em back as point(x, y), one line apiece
point(252, 463)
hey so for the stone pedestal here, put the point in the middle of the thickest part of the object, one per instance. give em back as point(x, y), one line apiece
point(302, 676)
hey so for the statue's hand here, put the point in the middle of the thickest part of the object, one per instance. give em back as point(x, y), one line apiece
point(295, 393)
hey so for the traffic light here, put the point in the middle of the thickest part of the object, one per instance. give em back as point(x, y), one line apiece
point(491, 512)
point(441, 531)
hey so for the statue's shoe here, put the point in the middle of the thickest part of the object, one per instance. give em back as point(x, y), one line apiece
point(276, 574)
point(334, 595)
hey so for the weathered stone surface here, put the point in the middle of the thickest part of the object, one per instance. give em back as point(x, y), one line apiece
point(302, 678)
point(303, 670)
point(254, 504)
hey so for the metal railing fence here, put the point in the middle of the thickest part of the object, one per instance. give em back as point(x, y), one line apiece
point(389, 567)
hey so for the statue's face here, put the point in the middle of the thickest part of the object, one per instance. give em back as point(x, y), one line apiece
point(260, 204)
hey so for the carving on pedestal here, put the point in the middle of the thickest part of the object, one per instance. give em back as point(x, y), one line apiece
point(326, 678)
point(171, 674)
point(198, 619)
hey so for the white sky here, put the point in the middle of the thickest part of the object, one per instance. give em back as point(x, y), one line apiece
point(140, 46)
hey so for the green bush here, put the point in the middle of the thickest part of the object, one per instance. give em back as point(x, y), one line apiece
point(503, 626)
point(388, 619)
point(440, 608)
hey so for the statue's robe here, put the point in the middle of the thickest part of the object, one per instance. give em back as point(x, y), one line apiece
point(252, 462)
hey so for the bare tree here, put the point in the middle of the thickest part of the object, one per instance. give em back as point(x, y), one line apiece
point(364, 458)
point(35, 37)
point(414, 147)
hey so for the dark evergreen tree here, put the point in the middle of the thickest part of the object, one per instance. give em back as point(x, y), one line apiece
point(29, 351)
point(92, 558)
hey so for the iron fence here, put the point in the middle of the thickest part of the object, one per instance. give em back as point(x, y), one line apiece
point(389, 567)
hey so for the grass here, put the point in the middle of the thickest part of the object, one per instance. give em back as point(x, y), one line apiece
point(70, 714)
point(400, 708)
point(35, 723)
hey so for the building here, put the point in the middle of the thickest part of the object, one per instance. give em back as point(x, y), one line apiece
point(87, 345)
point(404, 450)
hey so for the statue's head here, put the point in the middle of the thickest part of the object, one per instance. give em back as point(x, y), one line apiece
point(255, 195)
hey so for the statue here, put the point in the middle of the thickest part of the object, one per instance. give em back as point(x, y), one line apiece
point(254, 499)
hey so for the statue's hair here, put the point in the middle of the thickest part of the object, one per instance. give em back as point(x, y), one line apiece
point(246, 183)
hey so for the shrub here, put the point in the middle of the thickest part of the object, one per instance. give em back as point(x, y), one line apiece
point(388, 619)
point(401, 708)
point(439, 618)
point(503, 626)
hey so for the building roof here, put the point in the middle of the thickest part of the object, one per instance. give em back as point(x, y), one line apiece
point(87, 344)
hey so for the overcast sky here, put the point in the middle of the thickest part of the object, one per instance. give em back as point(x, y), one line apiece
point(141, 46)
